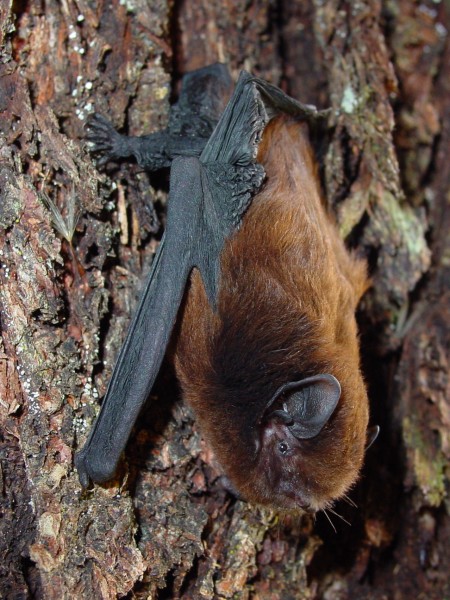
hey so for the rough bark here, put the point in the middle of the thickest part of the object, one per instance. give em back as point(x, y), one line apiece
point(164, 528)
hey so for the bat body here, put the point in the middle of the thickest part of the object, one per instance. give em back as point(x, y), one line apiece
point(285, 312)
point(266, 347)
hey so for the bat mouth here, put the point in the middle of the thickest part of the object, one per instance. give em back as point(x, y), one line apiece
point(290, 501)
point(293, 499)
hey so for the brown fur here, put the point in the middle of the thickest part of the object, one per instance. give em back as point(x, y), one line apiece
point(286, 304)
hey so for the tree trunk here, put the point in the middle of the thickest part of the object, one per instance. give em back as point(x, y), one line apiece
point(164, 528)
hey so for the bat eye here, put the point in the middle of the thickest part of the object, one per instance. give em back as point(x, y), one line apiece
point(283, 447)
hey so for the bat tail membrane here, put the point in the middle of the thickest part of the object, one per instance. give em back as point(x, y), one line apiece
point(236, 138)
point(142, 354)
point(203, 97)
point(276, 101)
point(237, 135)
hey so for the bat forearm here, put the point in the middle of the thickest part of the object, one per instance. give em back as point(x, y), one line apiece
point(157, 151)
point(152, 152)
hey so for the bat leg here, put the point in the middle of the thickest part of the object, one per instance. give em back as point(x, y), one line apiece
point(152, 152)
point(203, 98)
point(105, 141)
point(192, 119)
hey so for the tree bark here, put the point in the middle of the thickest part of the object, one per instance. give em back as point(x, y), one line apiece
point(164, 528)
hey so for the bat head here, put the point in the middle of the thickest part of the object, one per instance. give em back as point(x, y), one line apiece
point(296, 414)
point(297, 448)
point(308, 447)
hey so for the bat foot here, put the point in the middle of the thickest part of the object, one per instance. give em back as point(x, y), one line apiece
point(104, 140)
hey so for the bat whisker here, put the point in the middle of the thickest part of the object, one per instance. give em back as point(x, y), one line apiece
point(349, 501)
point(340, 516)
point(329, 520)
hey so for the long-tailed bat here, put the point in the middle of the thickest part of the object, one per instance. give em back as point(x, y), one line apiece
point(266, 350)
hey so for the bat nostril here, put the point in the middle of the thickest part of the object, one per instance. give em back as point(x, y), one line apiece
point(307, 508)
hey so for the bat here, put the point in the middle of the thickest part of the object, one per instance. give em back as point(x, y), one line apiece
point(262, 290)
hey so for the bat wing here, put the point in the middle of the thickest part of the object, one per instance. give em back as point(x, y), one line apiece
point(143, 351)
point(197, 226)
point(208, 197)
point(275, 101)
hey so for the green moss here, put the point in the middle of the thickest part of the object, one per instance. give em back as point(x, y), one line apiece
point(428, 463)
point(403, 221)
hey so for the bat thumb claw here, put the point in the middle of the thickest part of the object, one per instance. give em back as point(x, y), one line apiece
point(81, 467)
point(92, 467)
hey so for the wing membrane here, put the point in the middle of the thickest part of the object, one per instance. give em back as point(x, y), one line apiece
point(145, 345)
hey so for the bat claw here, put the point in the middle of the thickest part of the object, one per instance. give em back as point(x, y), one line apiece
point(83, 474)
point(99, 146)
point(101, 162)
point(105, 140)
point(94, 467)
point(98, 121)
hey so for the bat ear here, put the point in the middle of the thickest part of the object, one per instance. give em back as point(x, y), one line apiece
point(307, 404)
